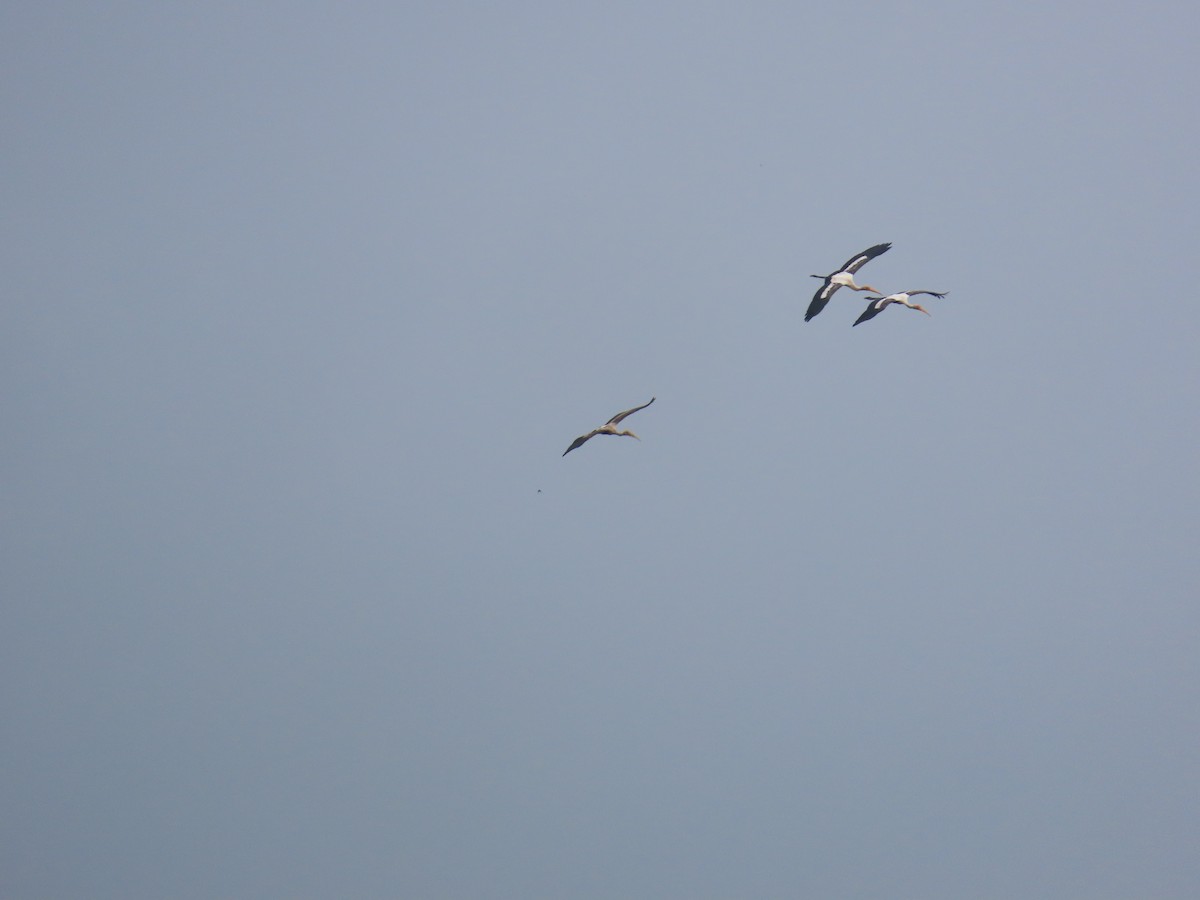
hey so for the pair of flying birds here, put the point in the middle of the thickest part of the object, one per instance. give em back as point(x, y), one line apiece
point(843, 277)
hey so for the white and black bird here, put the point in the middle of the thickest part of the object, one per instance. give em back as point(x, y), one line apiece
point(879, 304)
point(609, 427)
point(844, 277)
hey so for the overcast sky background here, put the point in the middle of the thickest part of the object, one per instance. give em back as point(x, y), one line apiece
point(303, 302)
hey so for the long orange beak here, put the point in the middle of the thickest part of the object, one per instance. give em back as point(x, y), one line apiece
point(923, 309)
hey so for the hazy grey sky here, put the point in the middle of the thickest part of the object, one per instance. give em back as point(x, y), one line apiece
point(303, 302)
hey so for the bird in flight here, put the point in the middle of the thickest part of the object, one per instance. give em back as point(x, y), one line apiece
point(609, 427)
point(879, 304)
point(844, 277)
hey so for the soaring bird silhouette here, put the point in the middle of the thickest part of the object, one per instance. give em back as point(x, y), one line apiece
point(879, 304)
point(844, 277)
point(609, 427)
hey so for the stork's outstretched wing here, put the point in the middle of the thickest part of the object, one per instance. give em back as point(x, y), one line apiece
point(820, 298)
point(878, 304)
point(580, 441)
point(615, 420)
point(854, 263)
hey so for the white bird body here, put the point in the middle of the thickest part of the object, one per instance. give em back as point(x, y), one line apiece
point(609, 427)
point(904, 298)
point(844, 277)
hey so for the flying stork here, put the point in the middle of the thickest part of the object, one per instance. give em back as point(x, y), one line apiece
point(879, 304)
point(609, 427)
point(844, 277)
